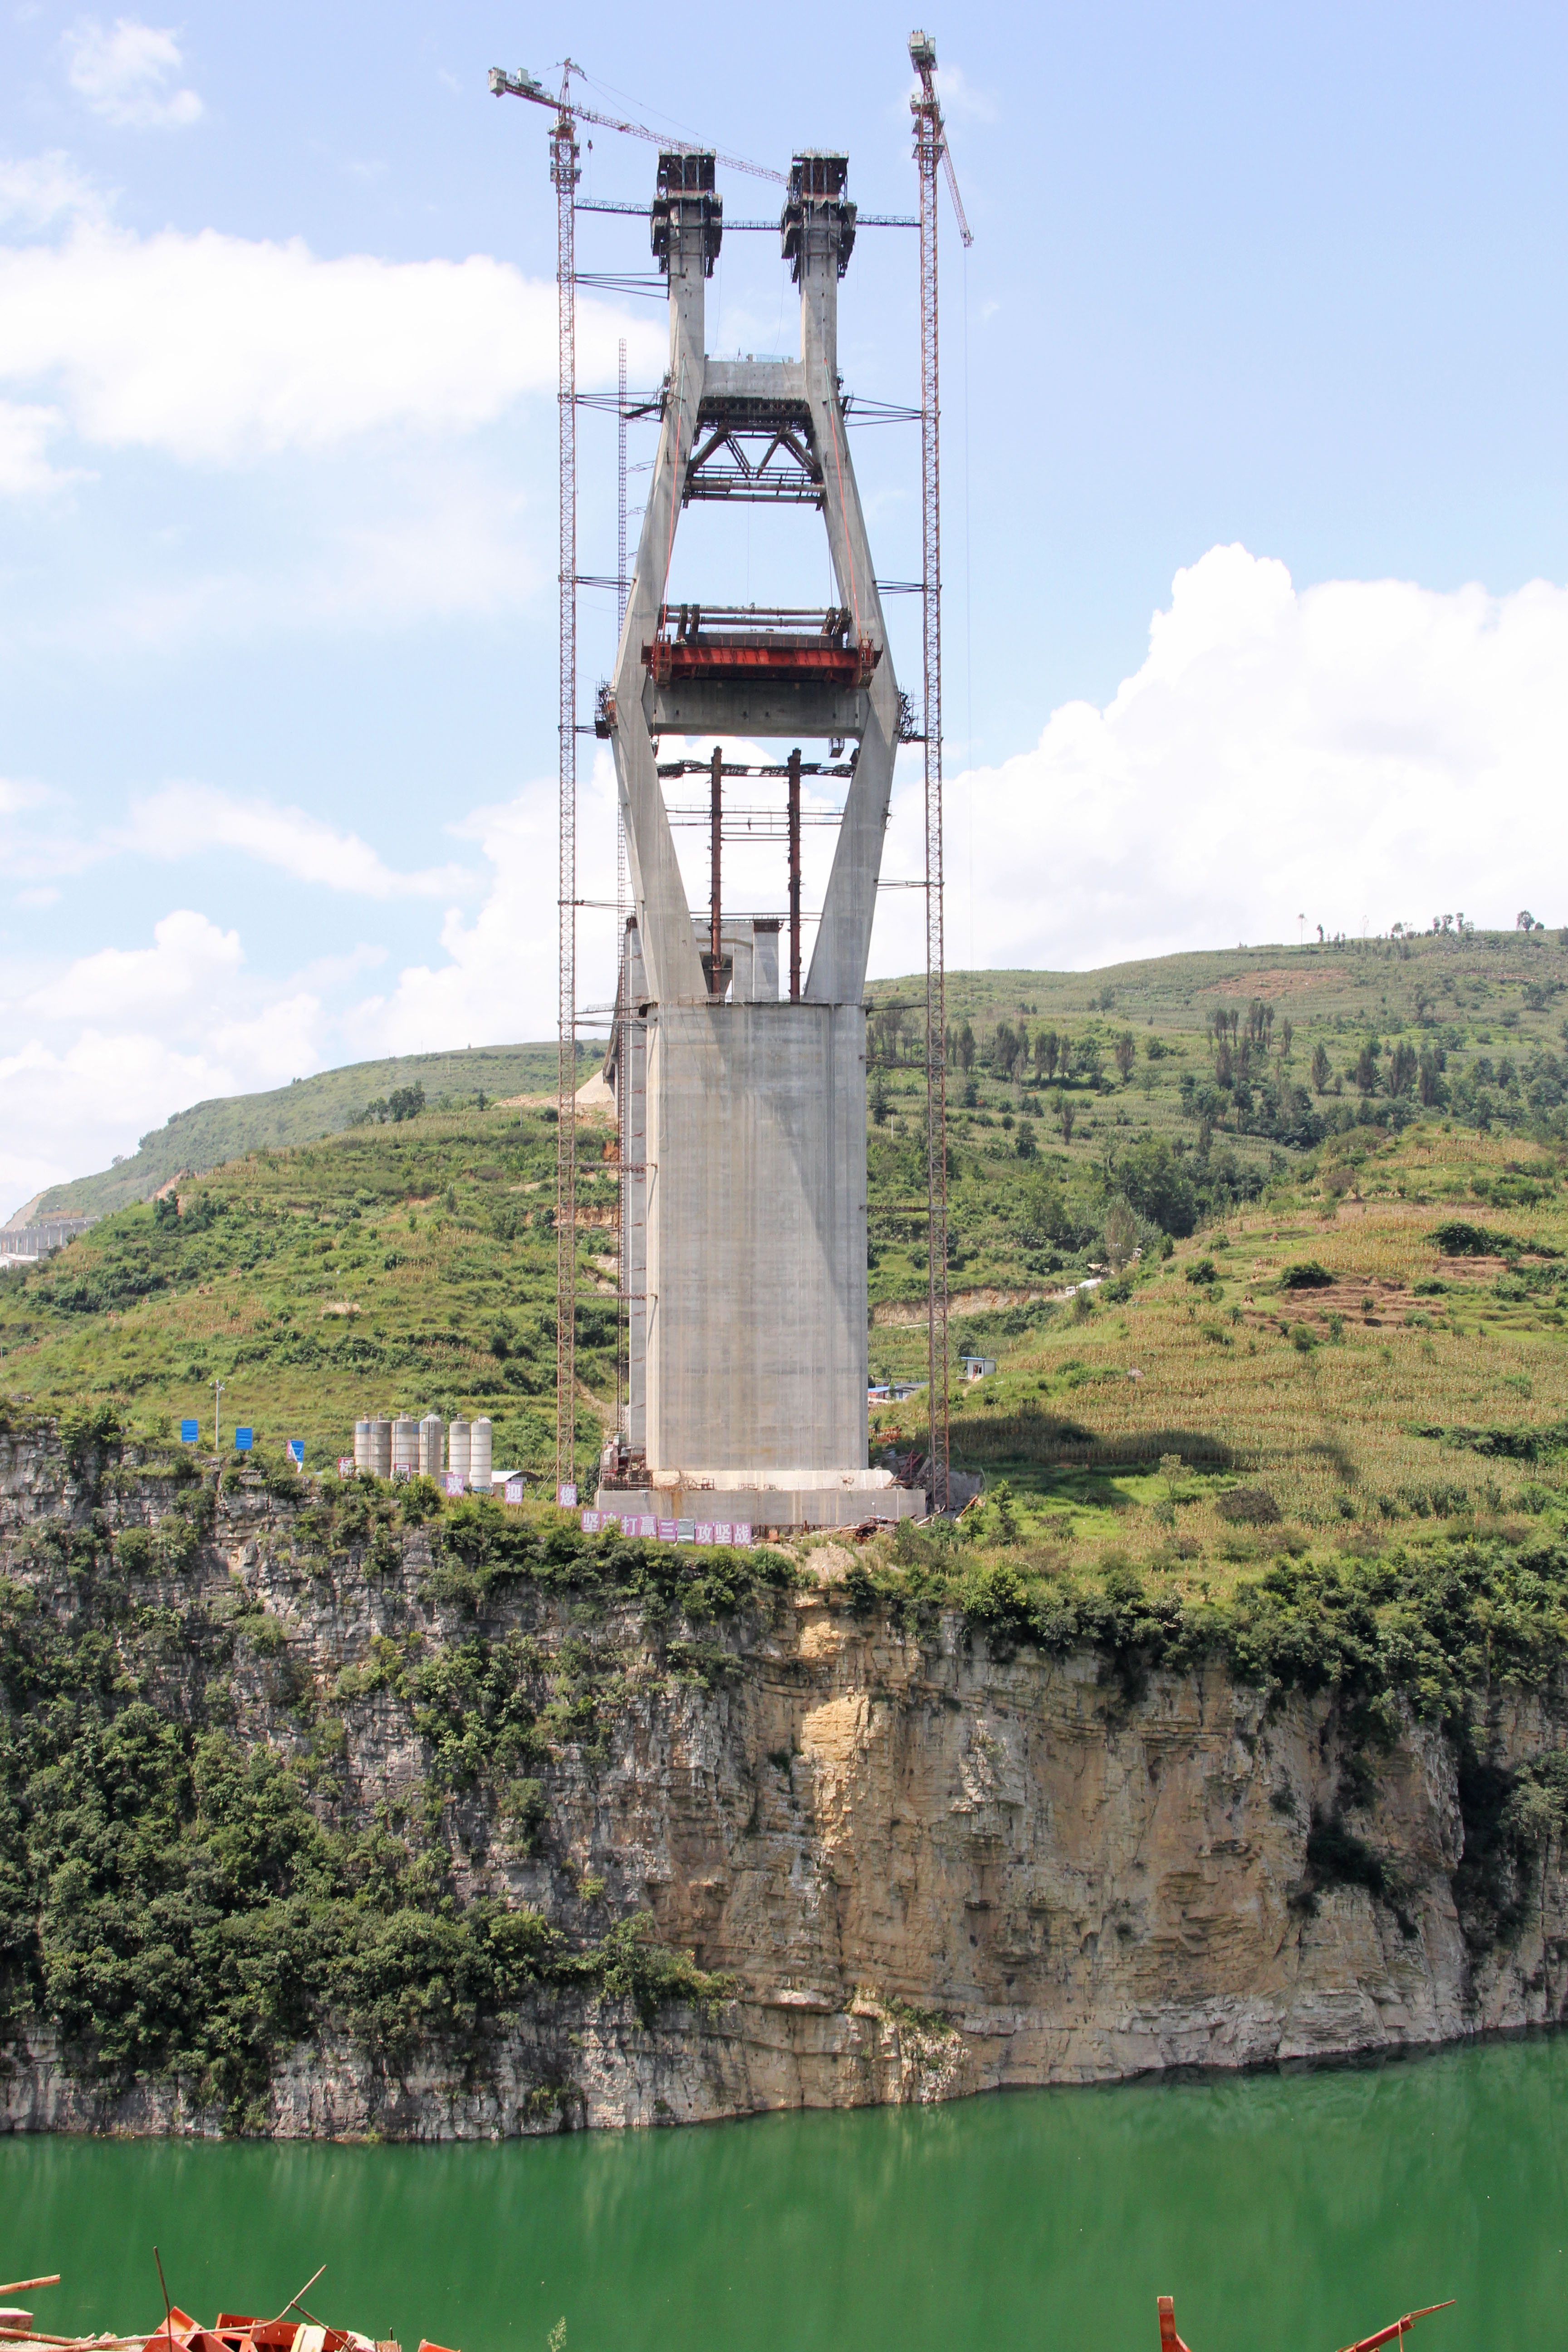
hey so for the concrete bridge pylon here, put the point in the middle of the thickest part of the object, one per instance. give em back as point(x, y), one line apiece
point(742, 1079)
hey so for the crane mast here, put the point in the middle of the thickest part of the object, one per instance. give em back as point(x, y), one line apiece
point(930, 150)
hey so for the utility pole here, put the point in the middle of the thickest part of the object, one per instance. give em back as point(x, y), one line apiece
point(219, 1387)
point(930, 150)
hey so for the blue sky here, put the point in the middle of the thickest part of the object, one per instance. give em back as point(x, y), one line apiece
point(1254, 514)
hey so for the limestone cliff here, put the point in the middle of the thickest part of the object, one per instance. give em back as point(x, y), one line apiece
point(929, 1869)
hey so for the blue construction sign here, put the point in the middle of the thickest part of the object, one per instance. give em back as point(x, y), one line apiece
point(295, 1449)
point(243, 1439)
point(190, 1433)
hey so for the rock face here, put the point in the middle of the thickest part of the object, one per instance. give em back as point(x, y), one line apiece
point(929, 1870)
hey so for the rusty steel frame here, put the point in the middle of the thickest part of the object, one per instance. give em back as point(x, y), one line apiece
point(1397, 2330)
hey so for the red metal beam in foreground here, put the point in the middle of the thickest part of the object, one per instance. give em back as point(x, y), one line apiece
point(1170, 2342)
point(1397, 2327)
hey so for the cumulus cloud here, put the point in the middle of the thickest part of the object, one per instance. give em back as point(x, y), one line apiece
point(127, 74)
point(38, 189)
point(496, 978)
point(114, 1041)
point(217, 350)
point(26, 432)
point(190, 819)
point(188, 963)
point(18, 793)
point(1353, 754)
point(186, 819)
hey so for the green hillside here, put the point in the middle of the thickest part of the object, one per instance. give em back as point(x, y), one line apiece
point(391, 1268)
point(209, 1133)
point(1355, 1099)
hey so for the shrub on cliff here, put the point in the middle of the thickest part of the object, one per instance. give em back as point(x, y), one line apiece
point(175, 1905)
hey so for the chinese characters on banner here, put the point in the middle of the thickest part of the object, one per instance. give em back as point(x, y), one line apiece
point(637, 1523)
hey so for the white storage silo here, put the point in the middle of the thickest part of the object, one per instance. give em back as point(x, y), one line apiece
point(380, 1448)
point(458, 1449)
point(365, 1458)
point(480, 1456)
point(404, 1445)
point(431, 1433)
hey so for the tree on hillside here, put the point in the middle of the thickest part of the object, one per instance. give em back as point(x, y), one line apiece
point(1158, 1187)
point(1126, 1054)
point(1045, 1220)
point(966, 1049)
point(1287, 1033)
point(1402, 1070)
point(1005, 1052)
point(1047, 1047)
point(1365, 1073)
point(1066, 1114)
point(1120, 1234)
point(1086, 1059)
point(1321, 1070)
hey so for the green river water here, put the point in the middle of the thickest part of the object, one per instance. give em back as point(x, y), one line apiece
point(1281, 2210)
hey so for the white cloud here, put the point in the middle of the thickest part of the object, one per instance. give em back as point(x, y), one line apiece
point(499, 978)
point(126, 75)
point(184, 820)
point(188, 964)
point(24, 436)
point(38, 189)
point(189, 820)
point(18, 793)
point(116, 1041)
point(217, 350)
point(26, 432)
point(1358, 753)
point(961, 100)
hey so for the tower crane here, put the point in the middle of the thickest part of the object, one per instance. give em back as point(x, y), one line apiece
point(931, 149)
